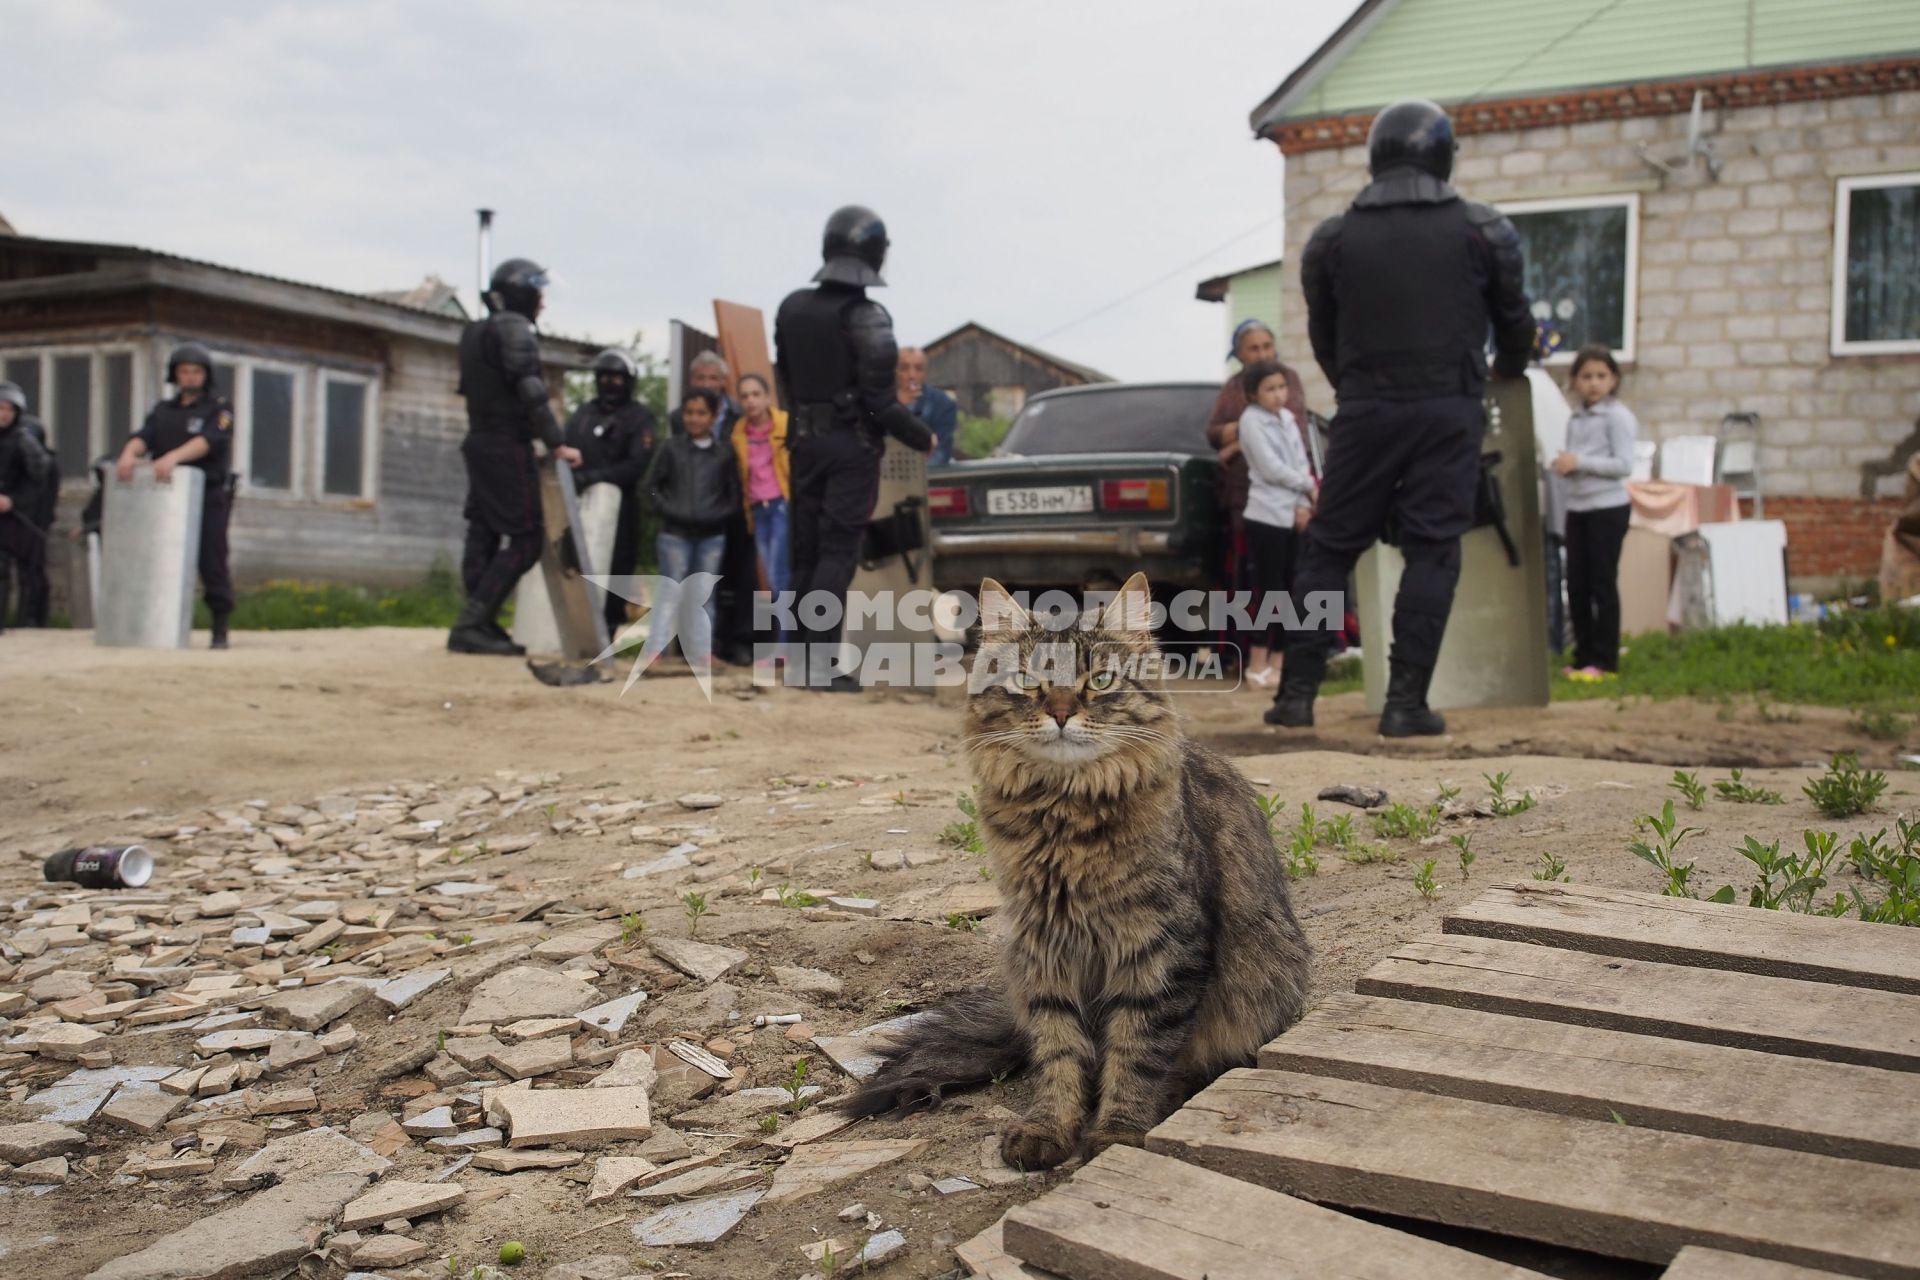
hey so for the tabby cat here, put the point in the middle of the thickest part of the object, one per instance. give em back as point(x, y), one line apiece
point(1151, 943)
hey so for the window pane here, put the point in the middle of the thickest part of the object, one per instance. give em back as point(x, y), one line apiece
point(24, 372)
point(269, 429)
point(72, 412)
point(1577, 274)
point(1883, 264)
point(346, 446)
point(120, 422)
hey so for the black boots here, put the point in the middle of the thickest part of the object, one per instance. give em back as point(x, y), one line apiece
point(1300, 677)
point(219, 640)
point(477, 632)
point(1406, 714)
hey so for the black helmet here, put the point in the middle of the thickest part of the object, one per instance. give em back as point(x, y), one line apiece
point(190, 353)
point(616, 367)
point(516, 286)
point(1413, 132)
point(10, 393)
point(854, 246)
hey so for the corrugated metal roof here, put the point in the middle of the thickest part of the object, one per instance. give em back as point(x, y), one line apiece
point(124, 252)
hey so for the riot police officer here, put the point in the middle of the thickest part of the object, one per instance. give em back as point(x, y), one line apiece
point(25, 465)
point(195, 429)
point(1402, 290)
point(508, 408)
point(32, 515)
point(615, 436)
point(835, 356)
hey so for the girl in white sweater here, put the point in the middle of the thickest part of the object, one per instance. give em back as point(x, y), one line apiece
point(1279, 501)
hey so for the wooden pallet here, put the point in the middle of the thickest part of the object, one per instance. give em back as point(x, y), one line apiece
point(1731, 1092)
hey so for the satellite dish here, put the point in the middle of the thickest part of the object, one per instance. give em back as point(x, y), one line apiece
point(1699, 148)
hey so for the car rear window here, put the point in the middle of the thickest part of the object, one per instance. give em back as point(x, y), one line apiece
point(1124, 420)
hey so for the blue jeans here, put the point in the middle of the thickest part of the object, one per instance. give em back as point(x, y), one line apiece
point(770, 538)
point(679, 557)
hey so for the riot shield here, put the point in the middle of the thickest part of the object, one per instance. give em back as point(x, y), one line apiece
point(150, 535)
point(566, 557)
point(1495, 651)
point(894, 555)
point(535, 619)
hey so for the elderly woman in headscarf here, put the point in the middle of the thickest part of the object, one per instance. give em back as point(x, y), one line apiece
point(1253, 342)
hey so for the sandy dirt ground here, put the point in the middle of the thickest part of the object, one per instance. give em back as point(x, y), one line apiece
point(817, 793)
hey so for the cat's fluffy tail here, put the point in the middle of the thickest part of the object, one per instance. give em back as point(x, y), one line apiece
point(969, 1038)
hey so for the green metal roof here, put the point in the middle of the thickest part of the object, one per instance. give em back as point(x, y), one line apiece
point(1454, 50)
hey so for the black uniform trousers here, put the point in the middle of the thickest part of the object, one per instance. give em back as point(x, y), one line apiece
point(15, 538)
point(503, 518)
point(216, 580)
point(836, 477)
point(36, 593)
point(1594, 539)
point(1417, 461)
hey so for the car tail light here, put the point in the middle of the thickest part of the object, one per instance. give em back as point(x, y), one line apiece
point(946, 501)
point(1133, 495)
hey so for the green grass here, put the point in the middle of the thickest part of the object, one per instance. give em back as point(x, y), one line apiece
point(287, 605)
point(1864, 658)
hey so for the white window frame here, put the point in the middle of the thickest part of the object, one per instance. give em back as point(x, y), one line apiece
point(1842, 216)
point(369, 437)
point(96, 389)
point(242, 398)
point(1630, 311)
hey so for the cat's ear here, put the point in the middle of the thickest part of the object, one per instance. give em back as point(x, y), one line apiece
point(1131, 609)
point(999, 611)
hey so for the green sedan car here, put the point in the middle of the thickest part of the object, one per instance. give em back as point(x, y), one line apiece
point(1091, 484)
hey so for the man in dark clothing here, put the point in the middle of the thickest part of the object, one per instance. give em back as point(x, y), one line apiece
point(195, 429)
point(24, 467)
point(615, 436)
point(1402, 290)
point(835, 357)
point(508, 408)
point(36, 593)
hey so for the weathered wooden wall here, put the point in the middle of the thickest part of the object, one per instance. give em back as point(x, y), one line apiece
point(972, 365)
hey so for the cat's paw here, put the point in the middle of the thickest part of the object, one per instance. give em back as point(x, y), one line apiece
point(1030, 1146)
point(1112, 1135)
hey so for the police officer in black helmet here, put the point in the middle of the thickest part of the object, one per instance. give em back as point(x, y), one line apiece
point(25, 467)
point(195, 429)
point(615, 436)
point(1402, 291)
point(835, 355)
point(508, 408)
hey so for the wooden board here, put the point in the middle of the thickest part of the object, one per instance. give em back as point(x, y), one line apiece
point(1131, 1215)
point(1647, 926)
point(743, 341)
point(1777, 1015)
point(985, 1256)
point(1696, 1263)
point(1862, 1113)
point(566, 561)
point(1584, 1184)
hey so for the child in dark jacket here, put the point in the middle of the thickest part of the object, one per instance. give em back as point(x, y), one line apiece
point(694, 485)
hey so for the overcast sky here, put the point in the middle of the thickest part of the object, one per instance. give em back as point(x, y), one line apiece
point(1034, 162)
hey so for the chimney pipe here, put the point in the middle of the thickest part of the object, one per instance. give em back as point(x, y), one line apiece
point(485, 255)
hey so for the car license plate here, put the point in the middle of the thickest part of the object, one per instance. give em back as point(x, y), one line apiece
point(1052, 500)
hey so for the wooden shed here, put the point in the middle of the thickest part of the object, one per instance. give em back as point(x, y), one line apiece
point(348, 422)
point(991, 375)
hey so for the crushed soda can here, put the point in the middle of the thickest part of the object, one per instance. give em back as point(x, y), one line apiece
point(103, 866)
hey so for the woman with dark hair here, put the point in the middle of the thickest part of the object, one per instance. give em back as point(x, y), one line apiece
point(1253, 343)
point(760, 446)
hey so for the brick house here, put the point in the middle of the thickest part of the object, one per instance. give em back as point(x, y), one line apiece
point(348, 427)
point(1771, 267)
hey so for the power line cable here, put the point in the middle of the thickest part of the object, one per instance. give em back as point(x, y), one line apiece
point(1159, 280)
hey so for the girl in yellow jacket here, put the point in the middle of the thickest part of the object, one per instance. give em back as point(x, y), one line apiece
point(760, 444)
